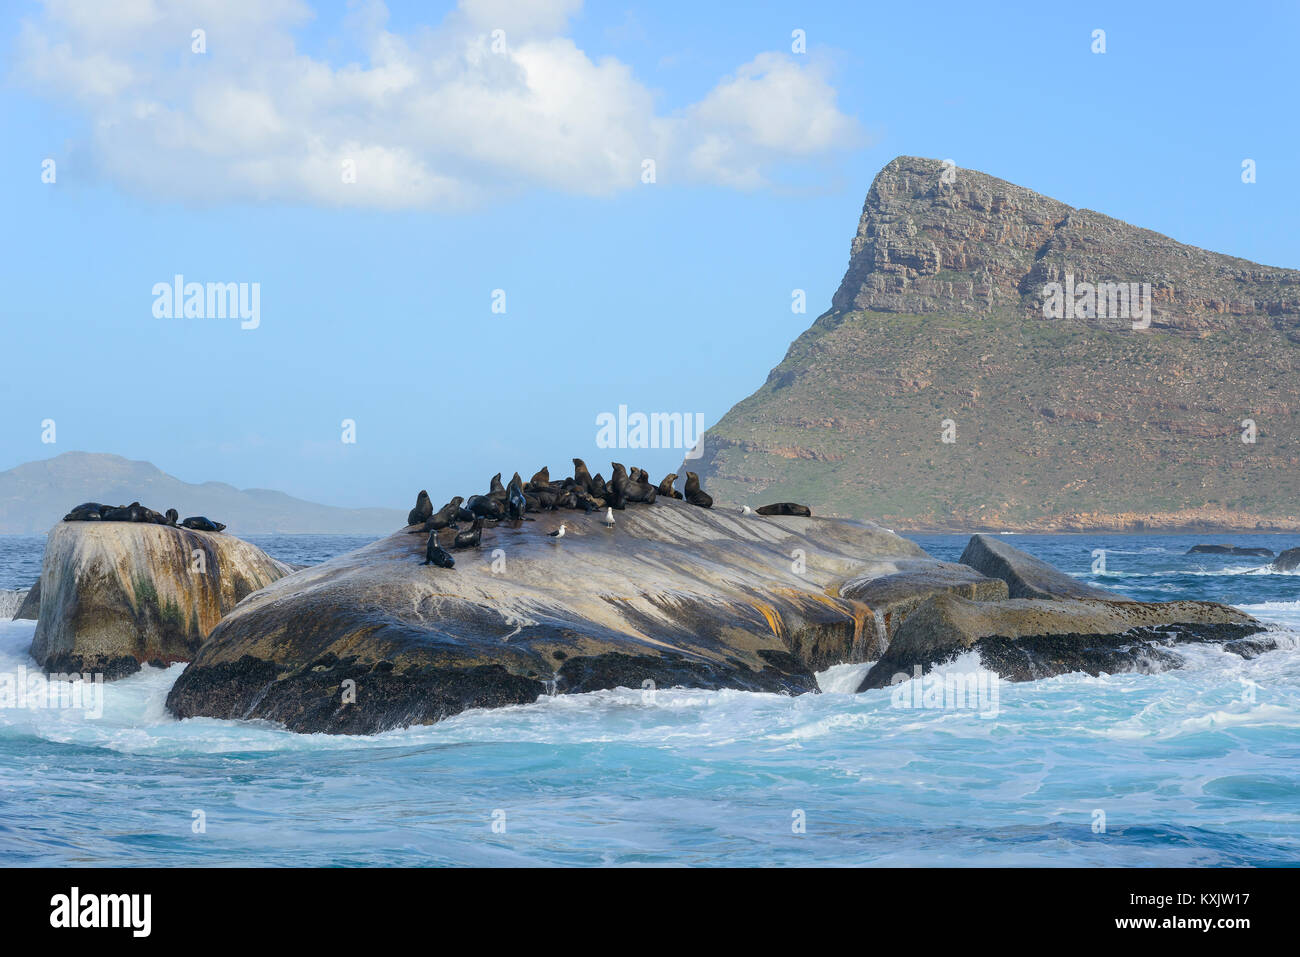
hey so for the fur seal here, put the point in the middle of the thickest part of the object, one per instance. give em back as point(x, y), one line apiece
point(516, 504)
point(201, 524)
point(694, 494)
point(434, 554)
point(541, 477)
point(151, 517)
point(496, 490)
point(597, 487)
point(173, 517)
point(86, 512)
point(423, 509)
point(785, 508)
point(581, 475)
point(443, 518)
point(470, 537)
point(666, 486)
point(123, 513)
point(484, 507)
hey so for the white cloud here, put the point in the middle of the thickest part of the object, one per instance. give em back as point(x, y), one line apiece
point(442, 118)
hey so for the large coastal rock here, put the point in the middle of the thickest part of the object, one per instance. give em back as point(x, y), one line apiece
point(1022, 639)
point(935, 393)
point(673, 595)
point(1025, 575)
point(116, 595)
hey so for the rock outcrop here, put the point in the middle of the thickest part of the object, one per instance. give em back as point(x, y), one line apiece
point(672, 595)
point(31, 605)
point(1230, 550)
point(1287, 561)
point(893, 595)
point(936, 394)
point(1025, 575)
point(116, 595)
point(1022, 639)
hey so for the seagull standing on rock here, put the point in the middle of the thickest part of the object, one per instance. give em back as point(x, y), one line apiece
point(558, 533)
point(609, 518)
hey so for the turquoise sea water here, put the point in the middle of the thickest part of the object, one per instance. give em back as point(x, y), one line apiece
point(1189, 766)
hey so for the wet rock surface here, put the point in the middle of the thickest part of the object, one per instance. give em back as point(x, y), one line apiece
point(116, 595)
point(673, 595)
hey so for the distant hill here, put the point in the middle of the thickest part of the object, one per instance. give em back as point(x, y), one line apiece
point(939, 331)
point(36, 495)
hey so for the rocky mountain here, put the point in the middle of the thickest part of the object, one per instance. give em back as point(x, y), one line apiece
point(995, 359)
point(34, 496)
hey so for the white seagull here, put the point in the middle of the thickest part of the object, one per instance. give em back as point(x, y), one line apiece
point(558, 533)
point(609, 518)
point(746, 510)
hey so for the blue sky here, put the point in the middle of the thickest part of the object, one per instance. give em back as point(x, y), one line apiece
point(522, 173)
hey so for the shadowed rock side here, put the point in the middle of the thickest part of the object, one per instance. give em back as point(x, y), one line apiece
point(31, 605)
point(116, 595)
point(674, 595)
point(1024, 638)
point(1025, 575)
point(1062, 423)
point(1052, 623)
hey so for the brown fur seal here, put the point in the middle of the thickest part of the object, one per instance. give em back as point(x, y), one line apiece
point(785, 508)
point(694, 494)
point(423, 509)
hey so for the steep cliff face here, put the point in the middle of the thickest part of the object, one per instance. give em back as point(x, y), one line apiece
point(1124, 404)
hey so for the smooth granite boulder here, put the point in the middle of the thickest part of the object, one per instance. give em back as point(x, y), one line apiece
point(673, 595)
point(896, 595)
point(1025, 575)
point(116, 595)
point(1022, 639)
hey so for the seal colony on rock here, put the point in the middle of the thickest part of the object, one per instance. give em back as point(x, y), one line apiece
point(135, 512)
point(579, 492)
point(677, 595)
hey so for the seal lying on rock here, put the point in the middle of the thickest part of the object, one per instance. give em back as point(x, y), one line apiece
point(202, 524)
point(785, 508)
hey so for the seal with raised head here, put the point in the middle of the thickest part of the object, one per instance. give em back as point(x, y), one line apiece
point(785, 508)
point(443, 518)
point(666, 486)
point(201, 524)
point(516, 504)
point(581, 475)
point(696, 495)
point(423, 509)
point(435, 554)
point(541, 477)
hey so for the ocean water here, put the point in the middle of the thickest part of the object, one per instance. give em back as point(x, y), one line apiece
point(1193, 766)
